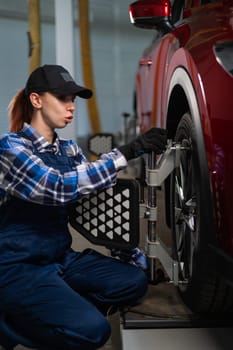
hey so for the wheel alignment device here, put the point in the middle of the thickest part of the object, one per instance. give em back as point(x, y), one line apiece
point(157, 170)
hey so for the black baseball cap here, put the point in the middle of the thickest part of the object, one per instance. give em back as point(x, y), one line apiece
point(54, 79)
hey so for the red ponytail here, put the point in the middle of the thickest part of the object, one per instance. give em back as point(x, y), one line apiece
point(20, 111)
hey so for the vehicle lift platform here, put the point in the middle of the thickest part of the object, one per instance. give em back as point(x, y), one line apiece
point(161, 320)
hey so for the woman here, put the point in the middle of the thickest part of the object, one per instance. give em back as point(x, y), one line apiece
point(53, 295)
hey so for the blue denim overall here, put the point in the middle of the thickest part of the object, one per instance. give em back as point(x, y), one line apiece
point(53, 295)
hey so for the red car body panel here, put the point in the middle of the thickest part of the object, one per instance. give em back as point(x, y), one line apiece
point(188, 52)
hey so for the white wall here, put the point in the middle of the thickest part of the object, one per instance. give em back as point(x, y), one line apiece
point(116, 48)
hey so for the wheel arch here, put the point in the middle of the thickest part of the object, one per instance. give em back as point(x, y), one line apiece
point(182, 98)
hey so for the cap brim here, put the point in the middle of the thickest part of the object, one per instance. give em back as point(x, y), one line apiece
point(84, 93)
point(70, 88)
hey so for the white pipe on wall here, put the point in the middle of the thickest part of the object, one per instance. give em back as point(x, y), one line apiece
point(64, 33)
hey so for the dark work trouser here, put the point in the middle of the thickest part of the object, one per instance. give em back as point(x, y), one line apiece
point(63, 306)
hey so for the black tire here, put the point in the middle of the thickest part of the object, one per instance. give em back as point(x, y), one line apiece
point(200, 288)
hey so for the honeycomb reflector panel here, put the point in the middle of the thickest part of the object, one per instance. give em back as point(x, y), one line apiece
point(109, 217)
point(101, 143)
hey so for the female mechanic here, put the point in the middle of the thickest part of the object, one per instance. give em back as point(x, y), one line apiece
point(54, 295)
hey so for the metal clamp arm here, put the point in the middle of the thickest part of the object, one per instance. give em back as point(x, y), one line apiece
point(168, 161)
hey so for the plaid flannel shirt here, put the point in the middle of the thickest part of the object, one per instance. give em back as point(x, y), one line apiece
point(24, 175)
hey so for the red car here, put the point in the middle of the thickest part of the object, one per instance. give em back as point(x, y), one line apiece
point(184, 83)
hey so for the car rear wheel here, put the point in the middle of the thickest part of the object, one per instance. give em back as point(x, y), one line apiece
point(200, 287)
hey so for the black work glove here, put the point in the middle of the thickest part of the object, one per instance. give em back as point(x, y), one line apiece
point(153, 140)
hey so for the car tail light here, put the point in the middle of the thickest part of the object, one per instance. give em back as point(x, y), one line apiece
point(224, 55)
point(149, 13)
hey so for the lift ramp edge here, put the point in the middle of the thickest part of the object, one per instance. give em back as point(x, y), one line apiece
point(156, 323)
point(163, 308)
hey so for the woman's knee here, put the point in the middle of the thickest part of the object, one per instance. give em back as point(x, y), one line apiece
point(90, 335)
point(98, 331)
